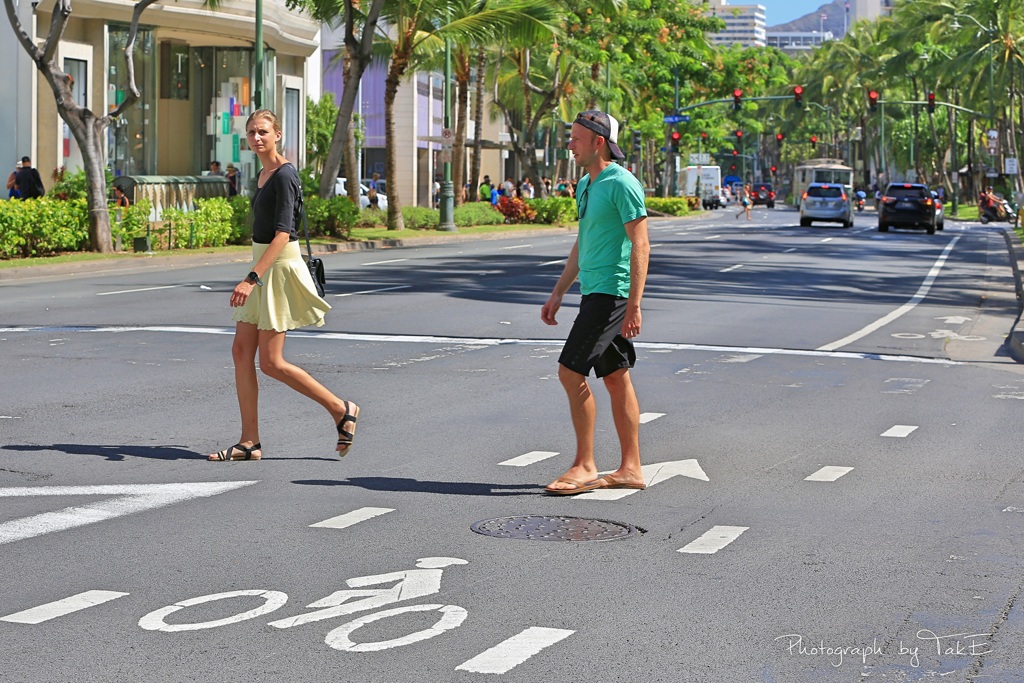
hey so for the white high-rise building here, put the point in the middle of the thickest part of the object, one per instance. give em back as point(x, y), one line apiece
point(744, 24)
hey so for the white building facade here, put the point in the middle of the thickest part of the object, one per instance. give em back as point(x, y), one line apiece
point(744, 24)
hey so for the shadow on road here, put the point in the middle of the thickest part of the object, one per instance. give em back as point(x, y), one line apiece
point(451, 488)
point(114, 453)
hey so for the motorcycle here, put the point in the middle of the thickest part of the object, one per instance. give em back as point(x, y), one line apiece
point(860, 204)
point(991, 212)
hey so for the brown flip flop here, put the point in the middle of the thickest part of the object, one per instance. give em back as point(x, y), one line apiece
point(604, 482)
point(564, 492)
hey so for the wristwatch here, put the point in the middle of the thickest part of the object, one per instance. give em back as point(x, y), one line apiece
point(254, 279)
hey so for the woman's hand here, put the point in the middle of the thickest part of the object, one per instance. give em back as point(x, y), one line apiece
point(241, 294)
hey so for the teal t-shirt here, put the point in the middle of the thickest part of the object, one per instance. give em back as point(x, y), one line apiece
point(604, 206)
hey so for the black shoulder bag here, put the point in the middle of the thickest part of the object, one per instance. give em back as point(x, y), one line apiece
point(315, 265)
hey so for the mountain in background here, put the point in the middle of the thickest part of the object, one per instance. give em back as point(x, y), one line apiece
point(835, 11)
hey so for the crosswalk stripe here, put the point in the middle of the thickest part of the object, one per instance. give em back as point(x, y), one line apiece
point(829, 473)
point(713, 540)
point(514, 651)
point(647, 417)
point(350, 518)
point(52, 610)
point(899, 431)
point(529, 458)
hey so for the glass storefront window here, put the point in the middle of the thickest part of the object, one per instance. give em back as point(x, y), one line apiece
point(131, 140)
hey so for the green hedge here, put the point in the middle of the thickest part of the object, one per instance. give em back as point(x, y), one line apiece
point(133, 221)
point(554, 210)
point(420, 218)
point(210, 225)
point(332, 217)
point(477, 213)
point(38, 227)
point(673, 206)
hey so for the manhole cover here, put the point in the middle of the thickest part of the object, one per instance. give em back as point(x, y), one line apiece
point(543, 528)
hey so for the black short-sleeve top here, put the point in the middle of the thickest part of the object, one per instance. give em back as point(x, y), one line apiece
point(273, 206)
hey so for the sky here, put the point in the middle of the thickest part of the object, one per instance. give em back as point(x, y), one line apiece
point(782, 11)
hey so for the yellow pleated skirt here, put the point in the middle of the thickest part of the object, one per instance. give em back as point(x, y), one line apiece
point(288, 299)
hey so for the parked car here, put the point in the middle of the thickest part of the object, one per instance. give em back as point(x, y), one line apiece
point(826, 203)
point(940, 212)
point(763, 193)
point(906, 205)
point(364, 200)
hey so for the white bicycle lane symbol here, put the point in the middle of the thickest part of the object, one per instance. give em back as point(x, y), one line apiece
point(408, 585)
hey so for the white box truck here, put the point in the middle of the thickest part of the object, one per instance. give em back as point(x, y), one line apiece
point(705, 182)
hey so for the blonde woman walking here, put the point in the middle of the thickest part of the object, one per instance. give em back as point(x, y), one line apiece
point(276, 296)
point(746, 199)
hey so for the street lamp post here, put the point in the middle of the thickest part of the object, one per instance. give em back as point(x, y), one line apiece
point(257, 90)
point(990, 30)
point(447, 205)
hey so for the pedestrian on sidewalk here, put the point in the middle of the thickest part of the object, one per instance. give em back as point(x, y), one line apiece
point(276, 296)
point(610, 259)
point(30, 185)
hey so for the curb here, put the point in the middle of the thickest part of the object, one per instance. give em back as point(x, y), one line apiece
point(1016, 338)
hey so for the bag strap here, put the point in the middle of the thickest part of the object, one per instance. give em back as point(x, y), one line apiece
point(300, 214)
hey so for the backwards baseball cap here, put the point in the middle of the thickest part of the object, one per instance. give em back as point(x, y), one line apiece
point(604, 125)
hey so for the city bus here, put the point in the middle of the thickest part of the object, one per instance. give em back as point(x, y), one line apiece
point(821, 171)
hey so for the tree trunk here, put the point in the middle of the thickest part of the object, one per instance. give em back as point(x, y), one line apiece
point(351, 160)
point(398, 65)
point(459, 151)
point(478, 122)
point(595, 75)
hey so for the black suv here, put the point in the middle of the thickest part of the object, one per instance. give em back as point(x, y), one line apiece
point(763, 194)
point(906, 205)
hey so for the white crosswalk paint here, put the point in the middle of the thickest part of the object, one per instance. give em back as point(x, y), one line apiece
point(60, 608)
point(529, 458)
point(829, 473)
point(899, 431)
point(514, 651)
point(648, 417)
point(713, 540)
point(350, 518)
point(379, 263)
point(144, 289)
point(374, 291)
point(731, 268)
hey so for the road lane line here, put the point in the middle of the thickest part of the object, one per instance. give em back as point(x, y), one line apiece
point(648, 417)
point(922, 292)
point(712, 237)
point(789, 251)
point(519, 246)
point(551, 263)
point(731, 268)
point(713, 540)
point(374, 291)
point(899, 431)
point(829, 473)
point(144, 289)
point(377, 263)
point(351, 518)
point(60, 608)
point(529, 458)
point(514, 651)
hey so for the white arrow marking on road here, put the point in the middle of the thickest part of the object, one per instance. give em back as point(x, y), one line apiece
point(648, 417)
point(529, 458)
point(52, 610)
point(713, 540)
point(954, 319)
point(899, 431)
point(350, 518)
point(653, 474)
point(130, 498)
point(829, 473)
point(514, 651)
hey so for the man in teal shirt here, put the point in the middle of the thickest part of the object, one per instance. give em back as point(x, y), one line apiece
point(610, 259)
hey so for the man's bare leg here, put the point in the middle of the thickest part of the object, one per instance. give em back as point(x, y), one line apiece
point(583, 409)
point(626, 413)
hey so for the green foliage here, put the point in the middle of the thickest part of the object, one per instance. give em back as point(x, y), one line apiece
point(673, 206)
point(369, 218)
point(554, 210)
point(210, 225)
point(420, 218)
point(310, 179)
point(39, 227)
point(332, 217)
point(320, 119)
point(72, 185)
point(129, 222)
point(241, 220)
point(477, 213)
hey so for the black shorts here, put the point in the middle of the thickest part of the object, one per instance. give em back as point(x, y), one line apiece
point(596, 340)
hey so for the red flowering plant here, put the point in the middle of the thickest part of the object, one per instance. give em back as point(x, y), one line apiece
point(515, 210)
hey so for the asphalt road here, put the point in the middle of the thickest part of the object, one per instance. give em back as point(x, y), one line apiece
point(832, 425)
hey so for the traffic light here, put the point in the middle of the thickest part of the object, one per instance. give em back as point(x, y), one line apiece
point(676, 135)
point(931, 103)
point(798, 96)
point(735, 152)
point(739, 136)
point(636, 141)
point(814, 139)
point(773, 170)
point(779, 137)
point(873, 100)
point(568, 132)
point(704, 136)
point(737, 99)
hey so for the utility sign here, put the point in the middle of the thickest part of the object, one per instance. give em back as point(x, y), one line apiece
point(700, 159)
point(677, 118)
point(1010, 166)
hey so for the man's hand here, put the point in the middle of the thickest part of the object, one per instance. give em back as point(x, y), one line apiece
point(631, 324)
point(547, 312)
